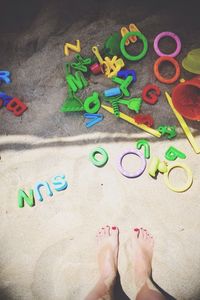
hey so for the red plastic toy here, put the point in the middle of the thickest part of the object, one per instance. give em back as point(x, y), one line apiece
point(144, 119)
point(186, 98)
point(148, 96)
point(96, 69)
point(17, 107)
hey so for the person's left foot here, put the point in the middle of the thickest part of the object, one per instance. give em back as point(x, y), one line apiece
point(108, 248)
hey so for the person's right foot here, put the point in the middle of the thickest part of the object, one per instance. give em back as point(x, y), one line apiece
point(140, 250)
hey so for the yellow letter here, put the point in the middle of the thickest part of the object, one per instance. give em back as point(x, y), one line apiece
point(76, 48)
point(124, 31)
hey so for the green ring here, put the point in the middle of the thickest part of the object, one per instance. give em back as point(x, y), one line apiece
point(123, 49)
point(99, 163)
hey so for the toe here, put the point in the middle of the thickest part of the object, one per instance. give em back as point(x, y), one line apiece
point(107, 230)
point(142, 233)
point(114, 230)
point(99, 235)
point(151, 239)
point(103, 230)
point(136, 232)
point(146, 234)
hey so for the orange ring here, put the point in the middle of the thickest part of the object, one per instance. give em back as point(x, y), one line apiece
point(173, 62)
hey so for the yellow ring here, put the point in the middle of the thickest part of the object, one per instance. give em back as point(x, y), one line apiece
point(189, 180)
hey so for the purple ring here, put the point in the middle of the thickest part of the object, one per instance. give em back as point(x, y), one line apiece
point(124, 172)
point(174, 37)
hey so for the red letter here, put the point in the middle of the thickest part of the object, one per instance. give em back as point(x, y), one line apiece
point(16, 106)
point(150, 98)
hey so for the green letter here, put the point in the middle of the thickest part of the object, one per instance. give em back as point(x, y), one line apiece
point(22, 196)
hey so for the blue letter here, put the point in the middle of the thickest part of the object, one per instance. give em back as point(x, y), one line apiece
point(59, 183)
point(37, 192)
point(5, 76)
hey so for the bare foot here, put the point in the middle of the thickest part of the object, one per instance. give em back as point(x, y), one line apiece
point(140, 250)
point(108, 248)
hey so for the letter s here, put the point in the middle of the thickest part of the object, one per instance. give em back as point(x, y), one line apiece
point(59, 183)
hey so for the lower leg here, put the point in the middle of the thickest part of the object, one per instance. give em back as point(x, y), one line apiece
point(140, 251)
point(100, 291)
point(147, 292)
point(108, 247)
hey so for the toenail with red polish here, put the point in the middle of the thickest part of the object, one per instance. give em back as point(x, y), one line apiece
point(136, 229)
point(114, 227)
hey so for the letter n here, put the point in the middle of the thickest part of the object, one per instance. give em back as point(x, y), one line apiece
point(37, 192)
point(22, 196)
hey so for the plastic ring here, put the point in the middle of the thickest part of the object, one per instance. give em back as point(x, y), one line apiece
point(139, 172)
point(173, 62)
point(166, 34)
point(123, 49)
point(189, 180)
point(103, 161)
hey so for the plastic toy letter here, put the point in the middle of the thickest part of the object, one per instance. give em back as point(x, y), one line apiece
point(59, 183)
point(94, 119)
point(76, 81)
point(76, 48)
point(124, 83)
point(173, 153)
point(37, 192)
point(148, 96)
point(5, 76)
point(92, 103)
point(22, 196)
point(145, 144)
point(16, 106)
point(124, 31)
point(6, 99)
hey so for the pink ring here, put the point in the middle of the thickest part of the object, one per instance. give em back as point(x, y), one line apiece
point(173, 36)
point(140, 171)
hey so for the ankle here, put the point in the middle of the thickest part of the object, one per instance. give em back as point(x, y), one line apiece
point(147, 284)
point(108, 280)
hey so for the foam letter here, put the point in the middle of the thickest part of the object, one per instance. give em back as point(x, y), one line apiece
point(59, 183)
point(22, 196)
point(37, 192)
